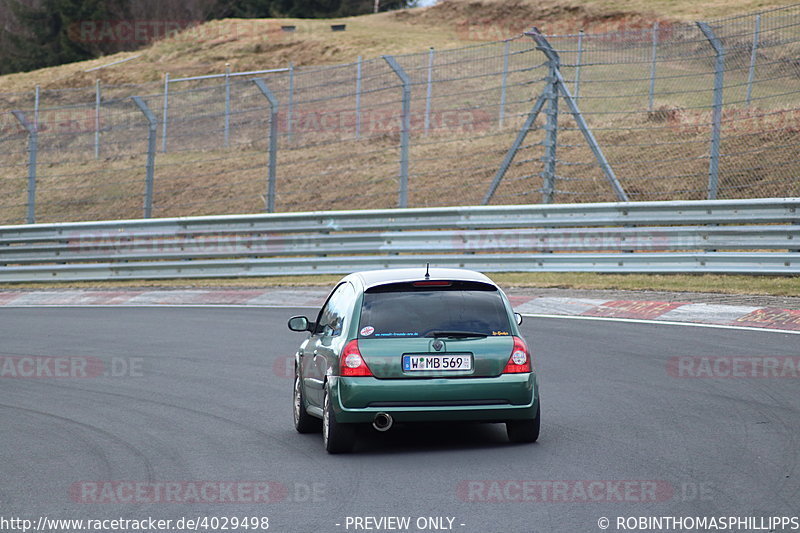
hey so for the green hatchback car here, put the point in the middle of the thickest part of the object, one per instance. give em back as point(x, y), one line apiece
point(413, 345)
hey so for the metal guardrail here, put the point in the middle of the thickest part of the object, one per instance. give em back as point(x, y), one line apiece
point(723, 236)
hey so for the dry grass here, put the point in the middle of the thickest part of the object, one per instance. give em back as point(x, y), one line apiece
point(701, 283)
point(260, 43)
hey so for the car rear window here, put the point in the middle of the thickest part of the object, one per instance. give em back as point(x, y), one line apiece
point(418, 310)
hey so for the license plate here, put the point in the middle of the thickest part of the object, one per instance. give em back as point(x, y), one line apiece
point(441, 362)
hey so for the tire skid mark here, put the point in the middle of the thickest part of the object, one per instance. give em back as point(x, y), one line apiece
point(789, 431)
point(100, 452)
point(291, 446)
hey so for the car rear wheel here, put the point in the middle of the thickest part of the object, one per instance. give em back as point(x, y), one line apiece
point(524, 430)
point(303, 422)
point(338, 438)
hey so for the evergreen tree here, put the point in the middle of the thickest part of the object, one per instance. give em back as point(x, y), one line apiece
point(247, 9)
point(47, 35)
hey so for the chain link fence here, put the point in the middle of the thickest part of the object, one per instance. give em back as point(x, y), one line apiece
point(684, 111)
point(676, 112)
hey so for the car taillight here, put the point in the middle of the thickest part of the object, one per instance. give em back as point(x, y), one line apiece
point(352, 364)
point(520, 360)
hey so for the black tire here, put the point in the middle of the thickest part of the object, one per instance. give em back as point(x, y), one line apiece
point(303, 422)
point(524, 430)
point(338, 438)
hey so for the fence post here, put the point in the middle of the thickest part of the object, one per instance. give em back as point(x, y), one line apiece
point(501, 172)
point(290, 106)
point(151, 154)
point(358, 98)
point(404, 134)
point(165, 115)
point(273, 143)
point(578, 66)
point(429, 91)
point(33, 150)
point(227, 104)
point(653, 63)
point(547, 49)
point(97, 100)
point(504, 85)
point(716, 120)
point(753, 54)
point(36, 100)
point(551, 131)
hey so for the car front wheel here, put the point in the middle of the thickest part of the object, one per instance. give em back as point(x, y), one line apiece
point(338, 438)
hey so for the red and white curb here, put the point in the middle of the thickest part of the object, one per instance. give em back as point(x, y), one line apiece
point(667, 312)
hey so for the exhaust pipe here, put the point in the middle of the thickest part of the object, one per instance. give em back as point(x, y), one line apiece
point(383, 422)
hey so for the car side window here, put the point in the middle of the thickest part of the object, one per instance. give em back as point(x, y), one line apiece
point(332, 317)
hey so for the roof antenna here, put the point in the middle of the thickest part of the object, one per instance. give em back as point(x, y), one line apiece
point(427, 271)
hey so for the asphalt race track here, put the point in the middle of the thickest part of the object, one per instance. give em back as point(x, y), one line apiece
point(193, 396)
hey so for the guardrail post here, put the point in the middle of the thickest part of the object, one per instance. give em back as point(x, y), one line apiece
point(552, 55)
point(753, 56)
point(151, 154)
point(165, 115)
point(273, 143)
point(716, 120)
point(406, 129)
point(33, 149)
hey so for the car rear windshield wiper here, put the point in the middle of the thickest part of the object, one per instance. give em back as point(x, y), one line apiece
point(455, 334)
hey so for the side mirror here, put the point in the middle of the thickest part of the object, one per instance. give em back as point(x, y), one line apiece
point(518, 318)
point(299, 323)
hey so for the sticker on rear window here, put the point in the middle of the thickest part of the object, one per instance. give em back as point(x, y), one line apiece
point(366, 331)
point(499, 333)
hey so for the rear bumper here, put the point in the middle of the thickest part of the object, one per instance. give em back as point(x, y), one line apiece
point(497, 399)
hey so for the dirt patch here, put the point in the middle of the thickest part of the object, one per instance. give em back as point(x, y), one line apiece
point(491, 20)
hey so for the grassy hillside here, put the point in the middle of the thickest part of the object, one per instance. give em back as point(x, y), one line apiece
point(261, 44)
